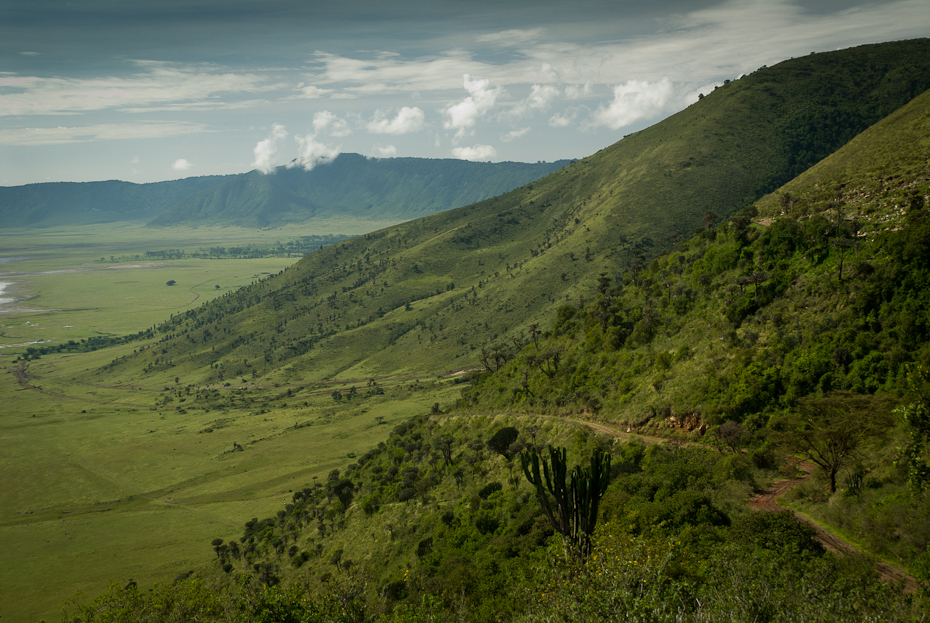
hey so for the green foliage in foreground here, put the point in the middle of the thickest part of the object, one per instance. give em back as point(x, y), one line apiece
point(666, 549)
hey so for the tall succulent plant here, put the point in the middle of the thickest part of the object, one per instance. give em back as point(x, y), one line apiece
point(575, 497)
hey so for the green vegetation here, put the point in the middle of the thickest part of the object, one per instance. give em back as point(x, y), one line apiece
point(84, 287)
point(747, 318)
point(406, 533)
point(127, 479)
point(795, 325)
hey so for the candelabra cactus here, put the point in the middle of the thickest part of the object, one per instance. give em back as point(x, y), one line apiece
point(576, 498)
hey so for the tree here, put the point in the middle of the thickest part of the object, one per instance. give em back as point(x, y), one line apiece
point(576, 501)
point(833, 429)
point(915, 455)
point(170, 282)
point(502, 440)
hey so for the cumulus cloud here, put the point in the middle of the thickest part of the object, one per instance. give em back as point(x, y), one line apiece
point(462, 117)
point(266, 150)
point(541, 95)
point(181, 165)
point(475, 152)
point(509, 136)
point(561, 120)
point(633, 101)
point(549, 72)
point(311, 92)
point(407, 120)
point(385, 151)
point(577, 91)
point(325, 121)
point(311, 153)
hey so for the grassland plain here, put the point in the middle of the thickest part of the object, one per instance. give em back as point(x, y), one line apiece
point(99, 482)
point(75, 282)
point(134, 480)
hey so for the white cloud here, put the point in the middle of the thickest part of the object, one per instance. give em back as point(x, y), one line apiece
point(310, 153)
point(511, 37)
point(311, 92)
point(385, 151)
point(474, 153)
point(266, 150)
point(156, 82)
point(103, 131)
point(564, 119)
point(326, 121)
point(462, 117)
point(407, 120)
point(633, 101)
point(207, 106)
point(509, 136)
point(181, 165)
point(575, 91)
point(549, 73)
point(28, 53)
point(541, 95)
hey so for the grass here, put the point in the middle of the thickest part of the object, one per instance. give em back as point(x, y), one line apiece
point(83, 281)
point(105, 491)
point(99, 482)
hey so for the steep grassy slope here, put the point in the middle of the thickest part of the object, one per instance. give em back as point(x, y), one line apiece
point(445, 286)
point(392, 189)
point(71, 203)
point(748, 318)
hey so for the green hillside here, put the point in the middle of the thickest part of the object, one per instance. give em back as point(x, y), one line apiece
point(71, 203)
point(749, 340)
point(448, 285)
point(392, 189)
point(820, 286)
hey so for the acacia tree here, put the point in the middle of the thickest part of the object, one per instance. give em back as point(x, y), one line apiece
point(832, 430)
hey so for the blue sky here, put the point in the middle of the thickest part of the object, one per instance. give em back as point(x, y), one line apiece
point(147, 90)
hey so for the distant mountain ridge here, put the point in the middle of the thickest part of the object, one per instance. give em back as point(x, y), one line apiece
point(52, 204)
point(352, 185)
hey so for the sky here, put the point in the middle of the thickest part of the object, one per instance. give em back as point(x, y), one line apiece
point(150, 90)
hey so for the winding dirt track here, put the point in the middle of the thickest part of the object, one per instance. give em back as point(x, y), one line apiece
point(767, 502)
